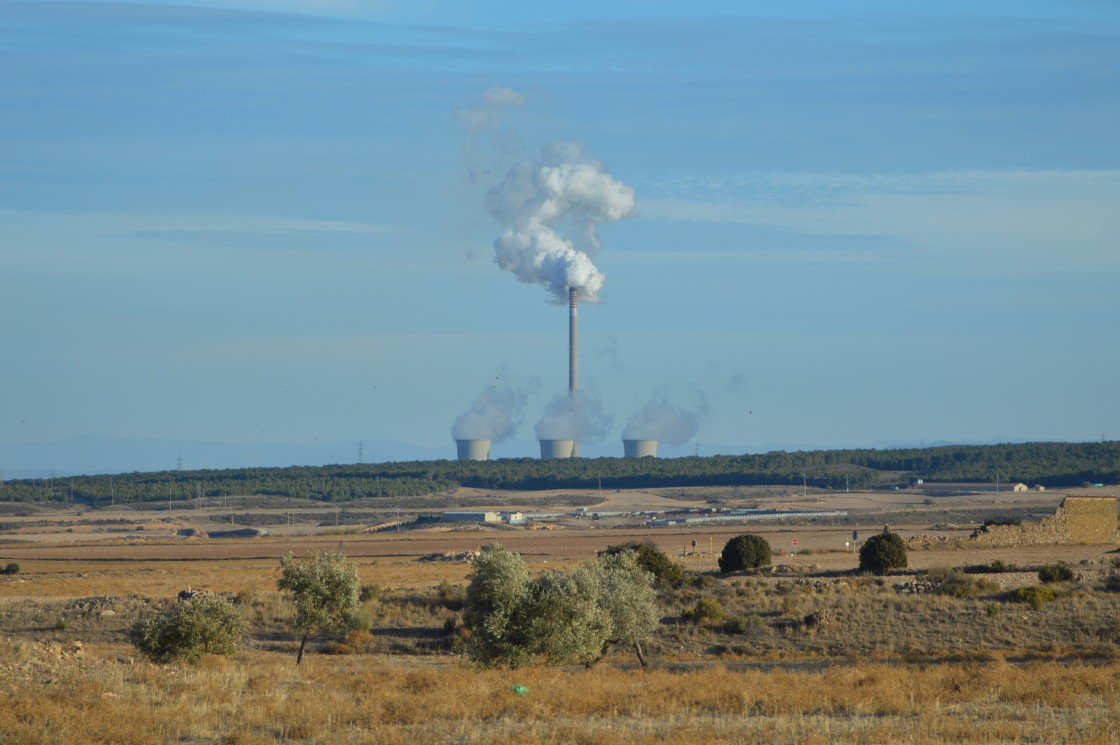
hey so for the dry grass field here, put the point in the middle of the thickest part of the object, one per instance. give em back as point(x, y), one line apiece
point(922, 656)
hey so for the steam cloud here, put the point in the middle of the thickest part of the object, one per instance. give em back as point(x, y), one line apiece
point(495, 415)
point(573, 416)
point(566, 187)
point(487, 118)
point(663, 420)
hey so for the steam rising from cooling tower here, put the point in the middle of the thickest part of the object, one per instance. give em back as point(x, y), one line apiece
point(573, 416)
point(495, 415)
point(563, 187)
point(662, 419)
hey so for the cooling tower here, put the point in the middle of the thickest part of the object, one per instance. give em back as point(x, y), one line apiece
point(473, 449)
point(553, 449)
point(639, 448)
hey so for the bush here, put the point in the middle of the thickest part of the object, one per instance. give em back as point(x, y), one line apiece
point(369, 593)
point(204, 624)
point(955, 583)
point(665, 571)
point(1055, 573)
point(744, 552)
point(1112, 582)
point(882, 552)
point(706, 609)
point(12, 568)
point(452, 597)
point(1035, 596)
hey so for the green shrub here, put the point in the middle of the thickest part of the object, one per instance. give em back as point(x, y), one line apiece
point(995, 567)
point(736, 625)
point(665, 571)
point(993, 610)
point(1035, 596)
point(1112, 582)
point(451, 597)
point(359, 619)
point(12, 568)
point(744, 552)
point(955, 583)
point(707, 609)
point(369, 593)
point(882, 552)
point(190, 628)
point(1055, 573)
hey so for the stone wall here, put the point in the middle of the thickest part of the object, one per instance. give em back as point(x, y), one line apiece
point(1077, 520)
point(1090, 519)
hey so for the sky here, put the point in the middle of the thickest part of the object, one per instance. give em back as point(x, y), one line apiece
point(267, 232)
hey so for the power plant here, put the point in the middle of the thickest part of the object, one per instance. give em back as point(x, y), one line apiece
point(539, 199)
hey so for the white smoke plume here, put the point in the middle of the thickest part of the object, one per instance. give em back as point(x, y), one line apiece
point(485, 120)
point(574, 416)
point(663, 420)
point(564, 189)
point(495, 415)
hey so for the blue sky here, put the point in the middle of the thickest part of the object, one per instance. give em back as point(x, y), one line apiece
point(858, 224)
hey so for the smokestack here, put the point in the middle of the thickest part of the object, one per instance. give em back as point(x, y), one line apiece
point(639, 448)
point(557, 449)
point(573, 350)
point(573, 340)
point(473, 449)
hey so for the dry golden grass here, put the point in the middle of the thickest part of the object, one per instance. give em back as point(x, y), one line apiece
point(933, 669)
point(264, 698)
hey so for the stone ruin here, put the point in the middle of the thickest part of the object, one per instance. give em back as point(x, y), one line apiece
point(1085, 520)
point(1088, 520)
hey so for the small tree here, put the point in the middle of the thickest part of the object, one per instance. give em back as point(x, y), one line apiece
point(190, 628)
point(571, 616)
point(626, 593)
point(882, 552)
point(667, 572)
point(744, 552)
point(494, 608)
point(565, 621)
point(324, 589)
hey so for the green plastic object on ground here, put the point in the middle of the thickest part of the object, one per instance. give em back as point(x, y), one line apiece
point(521, 690)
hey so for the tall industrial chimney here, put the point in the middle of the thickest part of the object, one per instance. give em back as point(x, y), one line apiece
point(573, 340)
point(573, 350)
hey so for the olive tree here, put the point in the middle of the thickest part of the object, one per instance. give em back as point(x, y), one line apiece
point(204, 624)
point(573, 616)
point(494, 608)
point(626, 593)
point(323, 588)
point(565, 619)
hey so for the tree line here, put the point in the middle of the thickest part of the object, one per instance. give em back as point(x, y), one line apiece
point(1049, 464)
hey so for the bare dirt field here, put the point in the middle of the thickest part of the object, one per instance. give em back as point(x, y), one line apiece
point(900, 661)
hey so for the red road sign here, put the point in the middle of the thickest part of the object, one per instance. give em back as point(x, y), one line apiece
point(795, 541)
